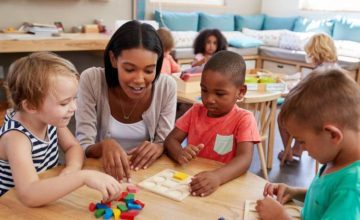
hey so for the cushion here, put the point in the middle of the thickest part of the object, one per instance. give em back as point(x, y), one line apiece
point(294, 40)
point(184, 39)
point(177, 21)
point(311, 25)
point(222, 22)
point(268, 37)
point(348, 48)
point(347, 29)
point(276, 23)
point(245, 42)
point(254, 22)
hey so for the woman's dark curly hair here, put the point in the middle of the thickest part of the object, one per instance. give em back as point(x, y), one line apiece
point(199, 43)
point(132, 34)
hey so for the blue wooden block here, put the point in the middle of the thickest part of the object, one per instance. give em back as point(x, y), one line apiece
point(108, 213)
point(133, 206)
point(101, 206)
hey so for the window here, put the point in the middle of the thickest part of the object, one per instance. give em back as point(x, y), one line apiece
point(330, 5)
point(192, 2)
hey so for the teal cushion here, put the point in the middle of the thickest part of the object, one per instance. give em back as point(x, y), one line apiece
point(347, 29)
point(245, 42)
point(177, 21)
point(310, 25)
point(254, 22)
point(222, 22)
point(276, 23)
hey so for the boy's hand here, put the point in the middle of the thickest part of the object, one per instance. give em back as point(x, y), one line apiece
point(144, 155)
point(268, 208)
point(109, 187)
point(283, 192)
point(115, 160)
point(189, 153)
point(204, 183)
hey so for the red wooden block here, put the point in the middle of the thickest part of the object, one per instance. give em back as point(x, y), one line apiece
point(129, 215)
point(92, 207)
point(108, 204)
point(139, 203)
point(132, 189)
point(122, 196)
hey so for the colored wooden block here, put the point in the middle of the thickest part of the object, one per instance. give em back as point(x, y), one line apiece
point(129, 215)
point(108, 204)
point(116, 213)
point(139, 203)
point(99, 212)
point(132, 189)
point(134, 206)
point(123, 196)
point(129, 198)
point(122, 207)
point(180, 175)
point(108, 213)
point(101, 206)
point(92, 207)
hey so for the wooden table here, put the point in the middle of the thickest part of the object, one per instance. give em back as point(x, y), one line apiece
point(251, 97)
point(227, 201)
point(15, 43)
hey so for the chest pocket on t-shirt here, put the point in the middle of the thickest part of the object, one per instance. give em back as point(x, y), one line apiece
point(223, 144)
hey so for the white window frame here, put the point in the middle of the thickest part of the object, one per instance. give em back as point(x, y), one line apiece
point(330, 5)
point(191, 2)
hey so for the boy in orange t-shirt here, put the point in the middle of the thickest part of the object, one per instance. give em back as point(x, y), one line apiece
point(217, 129)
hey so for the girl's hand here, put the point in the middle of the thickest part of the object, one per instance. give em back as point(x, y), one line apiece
point(204, 183)
point(268, 208)
point(283, 192)
point(107, 185)
point(188, 153)
point(115, 160)
point(144, 155)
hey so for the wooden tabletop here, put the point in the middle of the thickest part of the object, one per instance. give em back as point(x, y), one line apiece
point(14, 43)
point(228, 201)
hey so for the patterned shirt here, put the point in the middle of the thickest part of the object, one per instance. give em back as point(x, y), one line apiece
point(45, 155)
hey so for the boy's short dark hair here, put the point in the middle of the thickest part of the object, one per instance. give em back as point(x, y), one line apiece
point(327, 96)
point(228, 63)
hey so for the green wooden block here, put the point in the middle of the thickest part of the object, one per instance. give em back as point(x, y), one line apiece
point(99, 212)
point(122, 207)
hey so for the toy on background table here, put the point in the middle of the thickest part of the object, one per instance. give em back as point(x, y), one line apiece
point(168, 183)
point(250, 212)
point(126, 208)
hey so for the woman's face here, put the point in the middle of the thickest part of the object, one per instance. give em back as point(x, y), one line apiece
point(136, 71)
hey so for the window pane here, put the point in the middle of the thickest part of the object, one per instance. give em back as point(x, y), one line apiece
point(194, 2)
point(330, 5)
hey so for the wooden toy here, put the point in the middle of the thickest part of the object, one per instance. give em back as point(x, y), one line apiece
point(92, 207)
point(139, 203)
point(108, 213)
point(250, 212)
point(129, 198)
point(99, 213)
point(180, 175)
point(133, 206)
point(132, 189)
point(116, 213)
point(164, 183)
point(122, 207)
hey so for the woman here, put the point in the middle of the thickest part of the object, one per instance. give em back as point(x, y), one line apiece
point(126, 108)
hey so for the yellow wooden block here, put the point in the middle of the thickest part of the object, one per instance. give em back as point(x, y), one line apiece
point(116, 213)
point(180, 175)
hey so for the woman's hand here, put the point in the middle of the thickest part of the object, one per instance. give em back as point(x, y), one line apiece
point(144, 155)
point(204, 183)
point(115, 160)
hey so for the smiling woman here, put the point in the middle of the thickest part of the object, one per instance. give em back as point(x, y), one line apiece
point(126, 108)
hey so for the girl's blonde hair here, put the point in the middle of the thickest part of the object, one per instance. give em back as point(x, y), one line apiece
point(29, 78)
point(328, 96)
point(321, 48)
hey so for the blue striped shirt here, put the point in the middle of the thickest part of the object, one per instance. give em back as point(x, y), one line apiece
point(45, 154)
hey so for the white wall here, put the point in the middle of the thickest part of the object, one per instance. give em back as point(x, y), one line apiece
point(282, 8)
point(244, 7)
point(69, 12)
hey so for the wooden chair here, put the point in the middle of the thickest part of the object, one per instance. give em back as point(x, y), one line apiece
point(288, 149)
point(264, 109)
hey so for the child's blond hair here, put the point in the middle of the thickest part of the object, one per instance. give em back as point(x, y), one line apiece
point(321, 48)
point(328, 96)
point(29, 78)
point(166, 39)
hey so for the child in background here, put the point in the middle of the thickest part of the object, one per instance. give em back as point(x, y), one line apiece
point(217, 129)
point(206, 44)
point(320, 51)
point(169, 65)
point(43, 90)
point(323, 113)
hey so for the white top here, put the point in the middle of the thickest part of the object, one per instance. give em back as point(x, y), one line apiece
point(128, 136)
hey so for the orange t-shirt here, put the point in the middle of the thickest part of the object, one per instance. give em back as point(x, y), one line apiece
point(219, 135)
point(169, 65)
